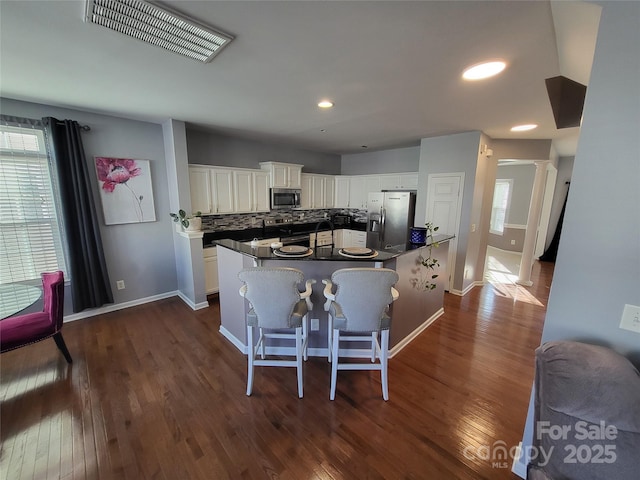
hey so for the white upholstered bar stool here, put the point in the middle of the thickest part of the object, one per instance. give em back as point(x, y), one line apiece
point(276, 305)
point(360, 306)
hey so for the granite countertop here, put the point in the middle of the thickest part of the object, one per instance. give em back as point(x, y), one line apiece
point(321, 253)
point(246, 235)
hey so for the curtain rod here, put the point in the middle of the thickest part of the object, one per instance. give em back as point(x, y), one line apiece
point(84, 128)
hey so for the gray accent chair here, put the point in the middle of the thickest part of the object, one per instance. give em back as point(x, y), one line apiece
point(587, 414)
point(276, 305)
point(360, 306)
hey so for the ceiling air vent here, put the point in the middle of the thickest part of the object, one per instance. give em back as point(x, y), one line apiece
point(158, 26)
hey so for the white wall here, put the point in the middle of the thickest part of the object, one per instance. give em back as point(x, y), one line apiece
point(140, 254)
point(598, 266)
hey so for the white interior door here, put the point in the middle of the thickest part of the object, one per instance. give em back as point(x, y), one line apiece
point(444, 207)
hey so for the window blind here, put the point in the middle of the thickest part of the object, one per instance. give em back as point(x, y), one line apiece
point(30, 231)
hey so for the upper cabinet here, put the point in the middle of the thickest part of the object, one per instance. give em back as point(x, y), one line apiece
point(342, 184)
point(200, 182)
point(283, 175)
point(221, 190)
point(396, 181)
point(317, 191)
point(251, 191)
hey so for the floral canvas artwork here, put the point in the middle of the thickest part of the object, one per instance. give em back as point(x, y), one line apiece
point(126, 190)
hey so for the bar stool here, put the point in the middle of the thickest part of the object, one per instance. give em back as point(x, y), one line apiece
point(276, 305)
point(360, 305)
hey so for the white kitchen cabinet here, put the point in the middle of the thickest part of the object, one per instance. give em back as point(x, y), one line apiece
point(251, 191)
point(262, 199)
point(342, 185)
point(329, 191)
point(243, 191)
point(357, 192)
point(222, 191)
point(358, 238)
point(317, 191)
point(200, 185)
point(353, 238)
point(396, 181)
point(306, 194)
point(324, 239)
point(283, 175)
point(211, 282)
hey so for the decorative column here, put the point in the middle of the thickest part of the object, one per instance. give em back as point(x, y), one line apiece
point(535, 207)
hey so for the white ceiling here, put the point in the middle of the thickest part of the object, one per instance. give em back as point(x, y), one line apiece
point(392, 68)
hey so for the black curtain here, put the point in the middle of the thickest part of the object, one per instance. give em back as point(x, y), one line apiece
point(90, 286)
point(552, 252)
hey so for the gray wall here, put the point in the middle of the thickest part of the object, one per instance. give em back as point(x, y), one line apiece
point(598, 265)
point(140, 254)
point(522, 176)
point(448, 154)
point(396, 160)
point(211, 148)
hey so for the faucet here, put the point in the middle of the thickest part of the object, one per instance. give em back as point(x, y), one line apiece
point(315, 240)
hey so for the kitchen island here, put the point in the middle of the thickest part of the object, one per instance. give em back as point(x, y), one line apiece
point(414, 310)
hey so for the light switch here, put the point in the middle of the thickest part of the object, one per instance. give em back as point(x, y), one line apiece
point(631, 318)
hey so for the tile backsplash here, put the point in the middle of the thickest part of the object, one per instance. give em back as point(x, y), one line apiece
point(241, 221)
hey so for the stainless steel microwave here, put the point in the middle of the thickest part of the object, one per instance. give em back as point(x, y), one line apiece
point(285, 198)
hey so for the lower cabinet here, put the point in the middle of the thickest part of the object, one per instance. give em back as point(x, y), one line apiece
point(211, 283)
point(351, 238)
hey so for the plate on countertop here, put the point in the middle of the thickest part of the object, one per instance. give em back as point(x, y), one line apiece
point(293, 249)
point(297, 254)
point(372, 254)
point(358, 251)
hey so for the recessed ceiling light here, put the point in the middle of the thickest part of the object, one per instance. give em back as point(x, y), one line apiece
point(524, 128)
point(484, 70)
point(325, 104)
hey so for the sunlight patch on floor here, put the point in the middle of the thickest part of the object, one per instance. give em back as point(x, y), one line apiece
point(501, 271)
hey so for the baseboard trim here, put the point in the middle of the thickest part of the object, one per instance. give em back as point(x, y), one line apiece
point(235, 341)
point(408, 339)
point(477, 283)
point(117, 306)
point(187, 300)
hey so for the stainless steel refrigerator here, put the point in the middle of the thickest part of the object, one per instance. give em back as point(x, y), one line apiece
point(390, 216)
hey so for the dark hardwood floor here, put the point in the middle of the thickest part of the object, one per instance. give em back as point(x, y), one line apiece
point(156, 392)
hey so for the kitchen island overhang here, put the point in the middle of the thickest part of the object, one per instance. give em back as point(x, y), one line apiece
point(415, 309)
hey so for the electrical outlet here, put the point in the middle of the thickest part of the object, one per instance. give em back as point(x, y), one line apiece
point(473, 227)
point(513, 242)
point(631, 318)
point(120, 284)
point(315, 324)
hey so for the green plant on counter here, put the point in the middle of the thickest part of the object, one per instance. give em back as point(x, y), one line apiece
point(183, 218)
point(427, 275)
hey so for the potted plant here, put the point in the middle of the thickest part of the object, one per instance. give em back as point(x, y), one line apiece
point(426, 280)
point(190, 223)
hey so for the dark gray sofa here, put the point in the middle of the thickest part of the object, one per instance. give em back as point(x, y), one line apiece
point(587, 414)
